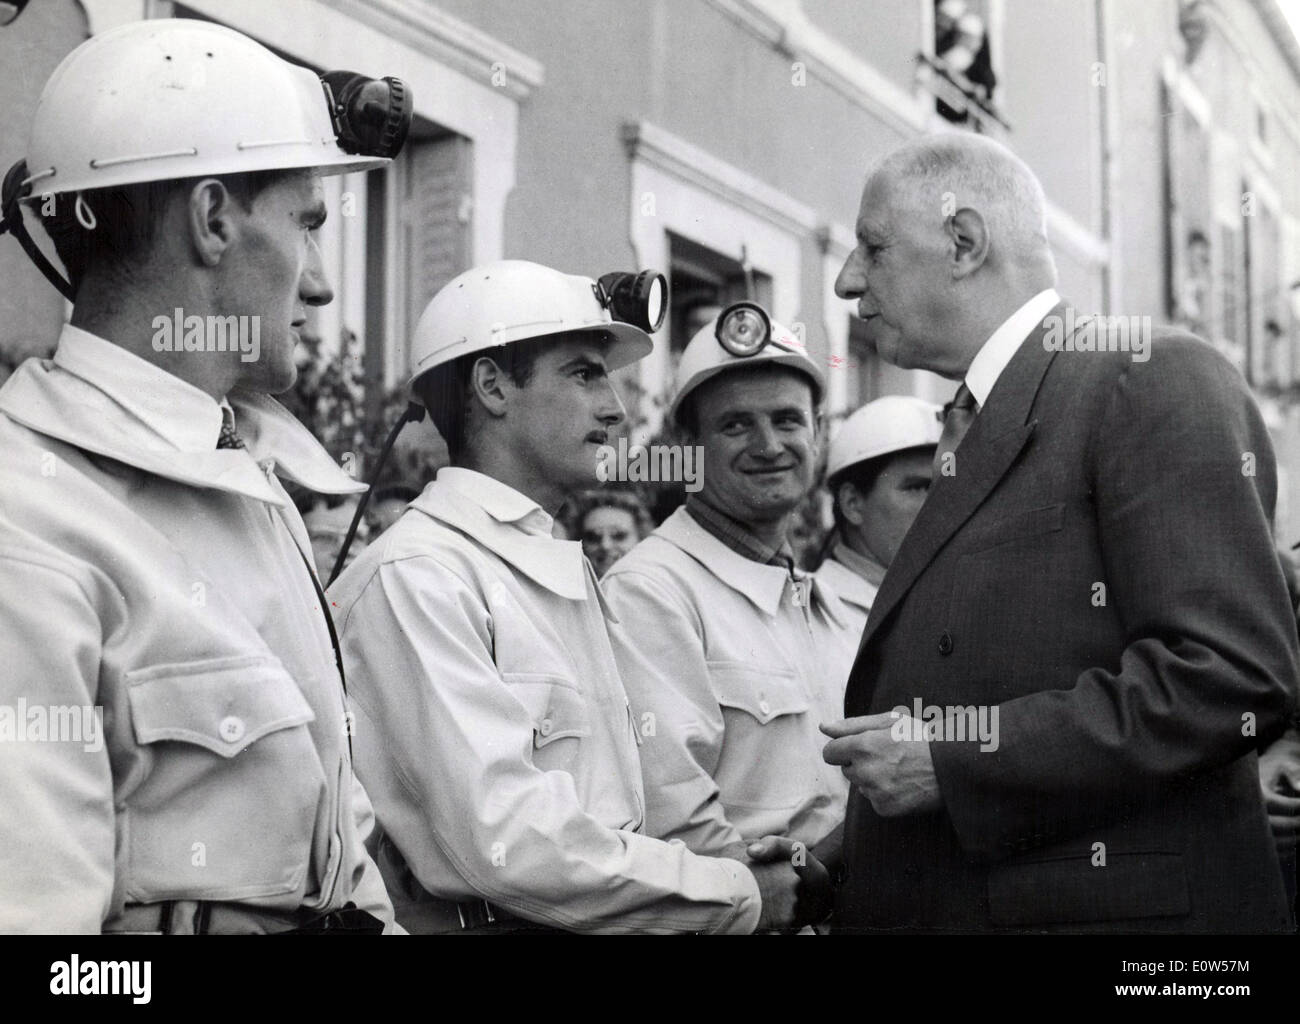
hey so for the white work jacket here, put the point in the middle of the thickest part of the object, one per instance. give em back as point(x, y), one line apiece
point(159, 584)
point(494, 734)
point(736, 664)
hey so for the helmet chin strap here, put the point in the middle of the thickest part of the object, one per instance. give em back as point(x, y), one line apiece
point(12, 221)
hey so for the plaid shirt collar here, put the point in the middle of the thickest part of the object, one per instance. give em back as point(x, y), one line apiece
point(737, 537)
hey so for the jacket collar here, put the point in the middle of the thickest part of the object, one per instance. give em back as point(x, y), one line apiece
point(849, 587)
point(510, 525)
point(102, 399)
point(764, 585)
point(995, 438)
point(863, 566)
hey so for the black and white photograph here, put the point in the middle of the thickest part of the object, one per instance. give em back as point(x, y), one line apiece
point(821, 468)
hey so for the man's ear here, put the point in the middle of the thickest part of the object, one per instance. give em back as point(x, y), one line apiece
point(850, 503)
point(209, 214)
point(486, 380)
point(969, 235)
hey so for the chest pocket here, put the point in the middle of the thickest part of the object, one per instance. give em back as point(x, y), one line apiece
point(1021, 526)
point(769, 761)
point(228, 804)
point(557, 709)
point(763, 694)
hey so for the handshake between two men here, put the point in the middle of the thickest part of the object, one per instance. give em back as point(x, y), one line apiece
point(898, 778)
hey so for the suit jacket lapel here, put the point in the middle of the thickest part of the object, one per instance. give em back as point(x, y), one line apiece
point(995, 438)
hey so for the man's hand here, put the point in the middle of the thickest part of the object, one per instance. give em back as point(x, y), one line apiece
point(896, 775)
point(794, 885)
point(1279, 778)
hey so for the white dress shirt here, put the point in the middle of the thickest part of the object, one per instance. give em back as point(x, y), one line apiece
point(996, 353)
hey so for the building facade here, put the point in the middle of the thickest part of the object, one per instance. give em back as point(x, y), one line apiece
point(726, 143)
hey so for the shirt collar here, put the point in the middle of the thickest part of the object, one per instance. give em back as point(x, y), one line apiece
point(868, 568)
point(736, 536)
point(182, 416)
point(996, 353)
point(762, 583)
point(509, 524)
point(501, 501)
point(103, 399)
point(847, 585)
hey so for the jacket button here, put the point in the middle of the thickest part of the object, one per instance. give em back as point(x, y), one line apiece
point(945, 643)
point(545, 727)
point(231, 729)
point(765, 707)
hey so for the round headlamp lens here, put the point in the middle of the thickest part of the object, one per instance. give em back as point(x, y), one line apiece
point(655, 306)
point(744, 329)
point(637, 299)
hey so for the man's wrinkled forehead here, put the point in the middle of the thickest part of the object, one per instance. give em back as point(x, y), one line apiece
point(875, 210)
point(764, 388)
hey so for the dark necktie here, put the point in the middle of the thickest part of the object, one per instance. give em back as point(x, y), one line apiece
point(957, 417)
point(229, 438)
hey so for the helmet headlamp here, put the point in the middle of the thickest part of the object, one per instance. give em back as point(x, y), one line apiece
point(744, 329)
point(371, 116)
point(637, 299)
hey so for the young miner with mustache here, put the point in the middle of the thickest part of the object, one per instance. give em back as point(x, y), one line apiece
point(493, 725)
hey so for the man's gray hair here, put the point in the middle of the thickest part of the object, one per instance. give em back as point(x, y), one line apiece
point(944, 173)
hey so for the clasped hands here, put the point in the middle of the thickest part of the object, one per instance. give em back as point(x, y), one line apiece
point(894, 772)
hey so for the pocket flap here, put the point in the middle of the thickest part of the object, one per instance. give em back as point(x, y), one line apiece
point(554, 704)
point(1072, 889)
point(1024, 525)
point(763, 693)
point(220, 704)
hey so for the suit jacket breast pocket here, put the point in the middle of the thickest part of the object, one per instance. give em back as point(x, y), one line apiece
point(1029, 525)
point(1010, 590)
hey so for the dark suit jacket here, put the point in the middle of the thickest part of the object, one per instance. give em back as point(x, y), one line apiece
point(1124, 715)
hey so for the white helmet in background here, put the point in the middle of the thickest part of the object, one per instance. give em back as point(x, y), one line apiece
point(178, 98)
point(513, 300)
point(894, 423)
point(742, 336)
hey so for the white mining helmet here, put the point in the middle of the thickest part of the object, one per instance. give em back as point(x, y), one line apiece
point(176, 98)
point(500, 303)
point(742, 336)
point(512, 300)
point(894, 423)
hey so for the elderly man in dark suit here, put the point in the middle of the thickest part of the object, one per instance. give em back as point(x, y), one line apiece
point(1085, 636)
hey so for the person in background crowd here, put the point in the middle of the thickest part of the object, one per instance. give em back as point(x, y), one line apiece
point(878, 472)
point(1089, 596)
point(735, 654)
point(493, 727)
point(610, 523)
point(387, 505)
point(327, 526)
point(154, 568)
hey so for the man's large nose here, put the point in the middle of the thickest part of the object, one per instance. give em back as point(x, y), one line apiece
point(767, 440)
point(314, 286)
point(852, 280)
point(611, 408)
